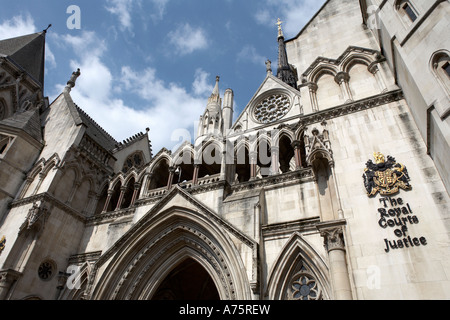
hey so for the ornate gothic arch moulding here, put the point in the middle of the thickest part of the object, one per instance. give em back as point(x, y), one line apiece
point(137, 264)
point(298, 273)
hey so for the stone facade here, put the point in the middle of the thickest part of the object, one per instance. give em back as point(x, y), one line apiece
point(331, 184)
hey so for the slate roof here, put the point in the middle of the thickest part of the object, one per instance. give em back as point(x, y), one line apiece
point(28, 121)
point(28, 52)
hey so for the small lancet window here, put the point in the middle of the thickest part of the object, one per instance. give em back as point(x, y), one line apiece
point(406, 11)
point(440, 66)
point(410, 12)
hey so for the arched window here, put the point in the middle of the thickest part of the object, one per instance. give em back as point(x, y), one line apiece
point(211, 160)
point(440, 65)
point(160, 175)
point(242, 164)
point(406, 11)
point(136, 160)
point(128, 195)
point(102, 200)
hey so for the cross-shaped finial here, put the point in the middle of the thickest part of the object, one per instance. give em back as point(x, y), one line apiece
point(279, 23)
point(280, 31)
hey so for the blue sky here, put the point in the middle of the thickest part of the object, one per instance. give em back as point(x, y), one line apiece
point(153, 63)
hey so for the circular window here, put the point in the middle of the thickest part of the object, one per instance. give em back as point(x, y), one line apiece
point(46, 270)
point(304, 286)
point(272, 108)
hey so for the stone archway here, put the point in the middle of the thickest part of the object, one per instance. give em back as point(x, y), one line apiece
point(137, 265)
point(187, 281)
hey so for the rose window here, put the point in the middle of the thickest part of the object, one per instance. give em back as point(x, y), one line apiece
point(272, 108)
point(46, 270)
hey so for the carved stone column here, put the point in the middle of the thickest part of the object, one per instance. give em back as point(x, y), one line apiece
point(275, 154)
point(333, 234)
point(108, 200)
point(223, 163)
point(195, 174)
point(146, 185)
point(137, 188)
point(342, 79)
point(170, 180)
point(41, 178)
point(297, 154)
point(253, 162)
point(122, 193)
point(313, 96)
point(28, 182)
point(377, 73)
point(7, 279)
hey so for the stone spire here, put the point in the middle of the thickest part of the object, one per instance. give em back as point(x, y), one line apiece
point(28, 52)
point(215, 96)
point(285, 71)
point(211, 121)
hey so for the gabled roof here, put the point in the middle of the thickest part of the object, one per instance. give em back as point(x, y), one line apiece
point(28, 121)
point(93, 129)
point(28, 52)
point(269, 78)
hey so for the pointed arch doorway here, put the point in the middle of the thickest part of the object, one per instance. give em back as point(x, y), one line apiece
point(187, 281)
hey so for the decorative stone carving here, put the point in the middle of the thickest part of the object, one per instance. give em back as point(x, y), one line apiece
point(272, 108)
point(385, 177)
point(333, 238)
point(318, 146)
point(2, 244)
point(73, 79)
point(36, 217)
point(304, 286)
point(46, 270)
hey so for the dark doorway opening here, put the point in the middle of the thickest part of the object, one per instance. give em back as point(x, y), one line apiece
point(188, 281)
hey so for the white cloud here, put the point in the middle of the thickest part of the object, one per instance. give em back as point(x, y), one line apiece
point(187, 39)
point(201, 85)
point(294, 13)
point(160, 6)
point(170, 109)
point(121, 8)
point(166, 108)
point(249, 53)
point(17, 26)
point(88, 44)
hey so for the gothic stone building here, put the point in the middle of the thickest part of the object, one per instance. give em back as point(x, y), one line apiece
point(331, 184)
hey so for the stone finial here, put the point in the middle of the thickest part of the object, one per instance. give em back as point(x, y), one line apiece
point(73, 79)
point(280, 31)
point(269, 66)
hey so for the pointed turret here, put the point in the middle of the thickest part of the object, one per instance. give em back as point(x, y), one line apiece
point(211, 122)
point(27, 52)
point(214, 101)
point(285, 71)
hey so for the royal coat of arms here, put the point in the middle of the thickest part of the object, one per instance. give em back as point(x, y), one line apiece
point(385, 176)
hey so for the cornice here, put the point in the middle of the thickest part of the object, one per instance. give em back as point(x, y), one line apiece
point(290, 227)
point(46, 197)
